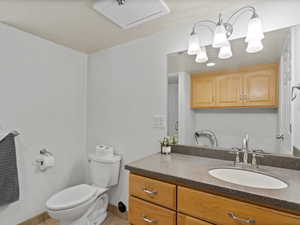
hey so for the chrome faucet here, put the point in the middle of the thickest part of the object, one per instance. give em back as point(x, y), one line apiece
point(245, 149)
point(256, 153)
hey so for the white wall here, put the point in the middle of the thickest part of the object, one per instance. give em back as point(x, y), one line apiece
point(295, 36)
point(42, 95)
point(186, 114)
point(127, 86)
point(231, 125)
point(172, 109)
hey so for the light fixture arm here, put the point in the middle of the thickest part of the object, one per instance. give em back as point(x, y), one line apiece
point(240, 12)
point(204, 23)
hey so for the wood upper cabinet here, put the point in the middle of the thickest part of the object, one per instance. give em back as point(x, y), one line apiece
point(203, 91)
point(229, 90)
point(246, 87)
point(260, 86)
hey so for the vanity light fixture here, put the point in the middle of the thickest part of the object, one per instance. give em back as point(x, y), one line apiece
point(201, 55)
point(225, 52)
point(194, 44)
point(222, 31)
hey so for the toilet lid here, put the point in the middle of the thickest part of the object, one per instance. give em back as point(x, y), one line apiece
point(71, 197)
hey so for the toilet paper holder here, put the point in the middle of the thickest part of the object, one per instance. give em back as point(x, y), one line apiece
point(45, 152)
point(40, 162)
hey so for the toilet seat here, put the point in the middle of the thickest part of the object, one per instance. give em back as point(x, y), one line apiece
point(72, 197)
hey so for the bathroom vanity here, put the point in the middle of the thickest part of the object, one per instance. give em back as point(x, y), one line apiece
point(177, 189)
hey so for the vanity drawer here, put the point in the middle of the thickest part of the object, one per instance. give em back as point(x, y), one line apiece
point(144, 213)
point(187, 220)
point(153, 191)
point(225, 211)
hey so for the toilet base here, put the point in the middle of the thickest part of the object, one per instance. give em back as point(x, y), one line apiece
point(101, 219)
point(85, 221)
point(95, 215)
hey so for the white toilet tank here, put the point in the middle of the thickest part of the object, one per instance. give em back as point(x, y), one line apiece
point(104, 171)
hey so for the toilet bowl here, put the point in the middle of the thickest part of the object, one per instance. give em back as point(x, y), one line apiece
point(86, 204)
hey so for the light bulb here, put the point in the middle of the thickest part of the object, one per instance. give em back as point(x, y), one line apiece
point(255, 30)
point(194, 45)
point(220, 38)
point(210, 64)
point(201, 56)
point(254, 46)
point(225, 52)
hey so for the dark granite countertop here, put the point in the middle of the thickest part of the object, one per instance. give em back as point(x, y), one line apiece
point(192, 171)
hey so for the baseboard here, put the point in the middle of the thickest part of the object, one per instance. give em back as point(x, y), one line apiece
point(115, 211)
point(36, 219)
point(44, 216)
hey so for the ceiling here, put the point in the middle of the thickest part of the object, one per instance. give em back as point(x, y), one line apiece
point(73, 23)
point(273, 42)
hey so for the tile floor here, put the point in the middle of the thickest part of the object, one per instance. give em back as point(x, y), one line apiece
point(110, 220)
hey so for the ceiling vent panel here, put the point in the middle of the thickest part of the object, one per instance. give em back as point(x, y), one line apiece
point(130, 13)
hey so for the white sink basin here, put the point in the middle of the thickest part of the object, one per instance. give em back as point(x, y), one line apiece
point(248, 178)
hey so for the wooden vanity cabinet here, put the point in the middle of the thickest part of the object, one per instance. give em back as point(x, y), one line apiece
point(157, 202)
point(225, 211)
point(187, 220)
point(154, 191)
point(246, 87)
point(142, 212)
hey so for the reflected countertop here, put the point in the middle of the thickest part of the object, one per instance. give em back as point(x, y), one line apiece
point(192, 171)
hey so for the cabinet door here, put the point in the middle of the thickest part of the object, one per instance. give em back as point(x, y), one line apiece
point(187, 220)
point(229, 90)
point(203, 91)
point(143, 213)
point(151, 190)
point(260, 87)
point(224, 211)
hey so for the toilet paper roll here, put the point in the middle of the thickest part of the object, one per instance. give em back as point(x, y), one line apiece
point(104, 151)
point(46, 161)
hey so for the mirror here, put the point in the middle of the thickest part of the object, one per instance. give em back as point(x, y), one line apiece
point(217, 103)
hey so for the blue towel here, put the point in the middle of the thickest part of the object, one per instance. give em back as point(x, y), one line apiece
point(9, 184)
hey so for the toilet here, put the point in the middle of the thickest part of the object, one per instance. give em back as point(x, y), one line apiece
point(86, 204)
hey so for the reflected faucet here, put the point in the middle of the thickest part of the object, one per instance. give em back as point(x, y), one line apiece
point(209, 134)
point(245, 148)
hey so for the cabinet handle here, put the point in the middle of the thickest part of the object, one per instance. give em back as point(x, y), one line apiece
point(149, 192)
point(148, 220)
point(233, 216)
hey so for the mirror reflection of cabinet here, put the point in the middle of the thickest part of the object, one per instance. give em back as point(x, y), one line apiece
point(246, 87)
point(229, 90)
point(260, 87)
point(203, 91)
